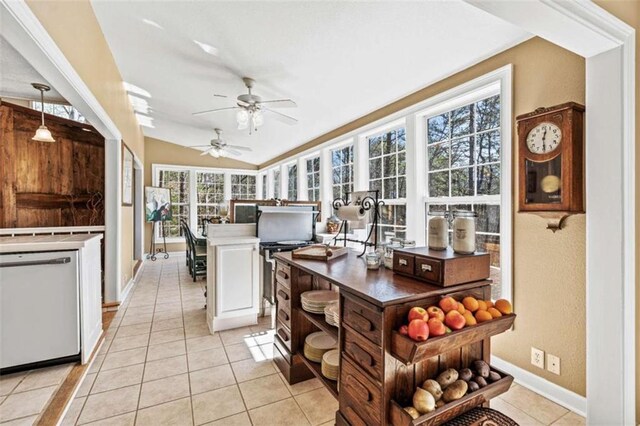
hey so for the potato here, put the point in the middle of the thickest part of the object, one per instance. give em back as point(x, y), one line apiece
point(480, 381)
point(494, 377)
point(455, 390)
point(440, 403)
point(447, 377)
point(412, 412)
point(482, 368)
point(465, 374)
point(433, 388)
point(473, 386)
point(423, 401)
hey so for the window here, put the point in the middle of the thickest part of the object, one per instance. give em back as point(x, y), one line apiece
point(292, 182)
point(388, 175)
point(342, 168)
point(64, 111)
point(264, 187)
point(313, 179)
point(276, 183)
point(243, 187)
point(178, 183)
point(209, 193)
point(463, 165)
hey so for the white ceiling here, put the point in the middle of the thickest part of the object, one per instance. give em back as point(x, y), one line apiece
point(337, 60)
point(16, 76)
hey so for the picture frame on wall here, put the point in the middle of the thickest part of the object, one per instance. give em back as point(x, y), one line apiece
point(157, 204)
point(127, 176)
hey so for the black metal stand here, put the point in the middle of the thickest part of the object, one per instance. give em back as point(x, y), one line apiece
point(152, 249)
point(367, 204)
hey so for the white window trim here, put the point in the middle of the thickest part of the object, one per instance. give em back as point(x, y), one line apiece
point(193, 211)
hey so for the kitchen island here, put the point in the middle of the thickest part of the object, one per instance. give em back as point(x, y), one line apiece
point(379, 368)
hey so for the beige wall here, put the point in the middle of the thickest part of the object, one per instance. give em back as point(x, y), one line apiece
point(161, 152)
point(548, 268)
point(629, 12)
point(76, 31)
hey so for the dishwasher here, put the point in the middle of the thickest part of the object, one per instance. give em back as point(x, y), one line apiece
point(39, 309)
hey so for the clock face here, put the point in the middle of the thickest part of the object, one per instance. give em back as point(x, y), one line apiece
point(544, 138)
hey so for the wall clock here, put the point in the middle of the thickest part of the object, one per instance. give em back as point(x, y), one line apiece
point(551, 152)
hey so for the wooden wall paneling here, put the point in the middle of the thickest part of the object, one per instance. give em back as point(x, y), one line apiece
point(7, 166)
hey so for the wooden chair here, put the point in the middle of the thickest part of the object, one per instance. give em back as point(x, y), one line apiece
point(197, 254)
point(185, 231)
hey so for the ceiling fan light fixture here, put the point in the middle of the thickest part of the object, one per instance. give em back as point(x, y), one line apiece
point(258, 119)
point(242, 117)
point(42, 133)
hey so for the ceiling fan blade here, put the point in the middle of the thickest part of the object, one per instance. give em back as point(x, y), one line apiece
point(239, 148)
point(213, 110)
point(201, 146)
point(231, 151)
point(217, 95)
point(282, 117)
point(206, 152)
point(281, 103)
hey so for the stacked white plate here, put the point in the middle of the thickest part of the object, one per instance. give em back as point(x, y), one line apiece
point(332, 314)
point(316, 344)
point(331, 364)
point(316, 300)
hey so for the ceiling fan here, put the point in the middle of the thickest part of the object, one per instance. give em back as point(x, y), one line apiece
point(219, 148)
point(250, 108)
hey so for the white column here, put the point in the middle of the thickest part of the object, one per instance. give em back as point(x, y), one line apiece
point(415, 179)
point(303, 194)
point(112, 220)
point(360, 164)
point(284, 180)
point(326, 182)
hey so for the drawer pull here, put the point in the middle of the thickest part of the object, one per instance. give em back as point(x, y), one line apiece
point(283, 294)
point(283, 314)
point(426, 268)
point(361, 356)
point(283, 335)
point(361, 391)
point(360, 323)
point(355, 416)
point(283, 274)
point(402, 262)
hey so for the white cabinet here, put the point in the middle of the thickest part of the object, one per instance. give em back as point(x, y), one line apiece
point(233, 284)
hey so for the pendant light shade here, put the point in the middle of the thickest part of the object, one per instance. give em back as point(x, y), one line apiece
point(42, 133)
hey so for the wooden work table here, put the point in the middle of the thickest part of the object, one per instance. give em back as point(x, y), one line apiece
point(379, 368)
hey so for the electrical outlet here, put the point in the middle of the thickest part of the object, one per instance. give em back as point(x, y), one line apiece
point(537, 357)
point(553, 364)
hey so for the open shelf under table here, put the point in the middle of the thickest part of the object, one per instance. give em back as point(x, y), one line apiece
point(319, 321)
point(315, 368)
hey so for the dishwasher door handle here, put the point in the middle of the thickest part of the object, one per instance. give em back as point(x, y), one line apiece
point(56, 261)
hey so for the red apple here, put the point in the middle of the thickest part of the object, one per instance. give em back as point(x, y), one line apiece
point(404, 330)
point(436, 327)
point(416, 313)
point(418, 330)
point(448, 304)
point(435, 312)
point(455, 320)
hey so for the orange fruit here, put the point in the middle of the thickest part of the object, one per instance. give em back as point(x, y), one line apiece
point(461, 308)
point(470, 320)
point(494, 312)
point(504, 306)
point(489, 303)
point(482, 316)
point(470, 303)
point(482, 305)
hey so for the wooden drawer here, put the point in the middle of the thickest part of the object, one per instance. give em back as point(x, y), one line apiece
point(283, 294)
point(284, 315)
point(428, 269)
point(360, 399)
point(284, 334)
point(403, 263)
point(363, 353)
point(283, 274)
point(363, 318)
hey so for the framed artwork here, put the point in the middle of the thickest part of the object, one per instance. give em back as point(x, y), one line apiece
point(127, 176)
point(157, 202)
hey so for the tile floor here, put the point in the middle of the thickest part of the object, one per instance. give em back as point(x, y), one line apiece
point(160, 366)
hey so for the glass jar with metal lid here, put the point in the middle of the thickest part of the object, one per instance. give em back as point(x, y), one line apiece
point(464, 231)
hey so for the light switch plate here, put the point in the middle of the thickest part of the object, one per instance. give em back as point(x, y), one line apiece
point(553, 364)
point(537, 357)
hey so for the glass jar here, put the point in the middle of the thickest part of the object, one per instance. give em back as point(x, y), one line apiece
point(438, 230)
point(388, 254)
point(464, 231)
point(373, 260)
point(408, 243)
point(333, 224)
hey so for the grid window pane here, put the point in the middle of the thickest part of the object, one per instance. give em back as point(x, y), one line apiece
point(276, 183)
point(209, 193)
point(292, 182)
point(313, 179)
point(178, 182)
point(264, 187)
point(243, 187)
point(342, 171)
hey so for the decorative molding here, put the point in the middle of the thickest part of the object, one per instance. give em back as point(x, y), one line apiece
point(53, 230)
point(568, 399)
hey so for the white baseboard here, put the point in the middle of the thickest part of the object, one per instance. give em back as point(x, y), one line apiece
point(127, 290)
point(568, 399)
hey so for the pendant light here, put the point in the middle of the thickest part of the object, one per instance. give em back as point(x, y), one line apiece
point(42, 134)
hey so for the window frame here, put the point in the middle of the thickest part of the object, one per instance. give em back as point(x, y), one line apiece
point(288, 168)
point(313, 173)
point(245, 195)
point(353, 164)
point(193, 170)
